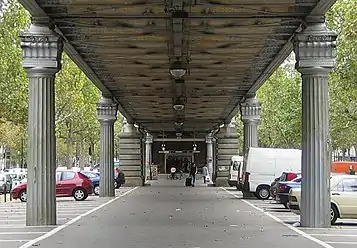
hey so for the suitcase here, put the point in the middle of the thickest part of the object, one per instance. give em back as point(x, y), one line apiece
point(188, 181)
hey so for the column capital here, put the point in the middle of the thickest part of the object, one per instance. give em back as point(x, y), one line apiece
point(209, 138)
point(250, 110)
point(42, 49)
point(148, 138)
point(106, 110)
point(315, 48)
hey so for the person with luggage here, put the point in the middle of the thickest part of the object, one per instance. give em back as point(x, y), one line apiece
point(193, 172)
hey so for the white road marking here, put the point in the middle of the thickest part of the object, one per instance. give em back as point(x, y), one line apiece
point(342, 242)
point(305, 235)
point(18, 233)
point(14, 240)
point(333, 235)
point(59, 228)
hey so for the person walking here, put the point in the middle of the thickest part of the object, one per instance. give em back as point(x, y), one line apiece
point(205, 173)
point(193, 172)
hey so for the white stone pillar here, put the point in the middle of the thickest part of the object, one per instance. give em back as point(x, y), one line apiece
point(315, 56)
point(227, 146)
point(148, 153)
point(106, 115)
point(250, 116)
point(131, 155)
point(42, 50)
point(209, 159)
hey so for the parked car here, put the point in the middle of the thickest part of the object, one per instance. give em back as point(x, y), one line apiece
point(283, 189)
point(343, 197)
point(262, 166)
point(234, 169)
point(5, 183)
point(284, 177)
point(95, 178)
point(68, 183)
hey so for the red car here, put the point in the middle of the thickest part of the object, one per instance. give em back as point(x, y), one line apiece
point(68, 183)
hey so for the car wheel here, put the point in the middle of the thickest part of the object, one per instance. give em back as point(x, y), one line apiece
point(334, 214)
point(80, 194)
point(96, 190)
point(263, 193)
point(23, 195)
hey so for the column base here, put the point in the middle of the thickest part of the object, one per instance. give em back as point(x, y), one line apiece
point(134, 181)
point(221, 182)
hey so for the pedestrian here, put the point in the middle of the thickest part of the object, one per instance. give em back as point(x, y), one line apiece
point(193, 172)
point(173, 172)
point(205, 173)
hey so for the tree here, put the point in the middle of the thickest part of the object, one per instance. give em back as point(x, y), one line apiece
point(13, 79)
point(342, 19)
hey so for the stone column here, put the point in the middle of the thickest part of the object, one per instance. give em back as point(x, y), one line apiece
point(315, 56)
point(227, 146)
point(148, 154)
point(209, 159)
point(130, 155)
point(106, 115)
point(250, 115)
point(42, 50)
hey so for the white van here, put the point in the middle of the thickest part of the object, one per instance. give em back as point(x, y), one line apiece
point(263, 165)
point(234, 169)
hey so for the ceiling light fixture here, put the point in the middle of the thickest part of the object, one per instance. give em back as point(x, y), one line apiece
point(177, 69)
point(178, 105)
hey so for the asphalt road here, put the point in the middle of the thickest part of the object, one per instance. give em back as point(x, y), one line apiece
point(14, 233)
point(167, 214)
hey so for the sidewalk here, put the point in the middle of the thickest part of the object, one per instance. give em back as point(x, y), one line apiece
point(168, 214)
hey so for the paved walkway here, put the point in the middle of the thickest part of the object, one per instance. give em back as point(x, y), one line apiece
point(14, 233)
point(167, 214)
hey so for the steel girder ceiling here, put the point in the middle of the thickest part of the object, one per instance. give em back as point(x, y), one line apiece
point(125, 47)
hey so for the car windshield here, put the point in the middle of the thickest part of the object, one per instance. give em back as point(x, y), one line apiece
point(236, 165)
point(88, 174)
point(297, 179)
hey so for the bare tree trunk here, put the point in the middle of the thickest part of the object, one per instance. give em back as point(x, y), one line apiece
point(69, 146)
point(81, 155)
point(343, 154)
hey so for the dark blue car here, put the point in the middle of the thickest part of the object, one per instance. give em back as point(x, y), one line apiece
point(94, 177)
point(283, 188)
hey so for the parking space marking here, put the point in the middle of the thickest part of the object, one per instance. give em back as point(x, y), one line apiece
point(18, 233)
point(14, 240)
point(302, 233)
point(59, 228)
point(342, 242)
point(333, 235)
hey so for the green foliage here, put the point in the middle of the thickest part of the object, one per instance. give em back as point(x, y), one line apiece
point(280, 98)
point(342, 19)
point(13, 80)
point(281, 94)
point(76, 125)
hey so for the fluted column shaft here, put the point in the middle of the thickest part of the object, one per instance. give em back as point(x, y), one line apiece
point(250, 133)
point(42, 51)
point(107, 115)
point(209, 144)
point(148, 154)
point(250, 116)
point(314, 49)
